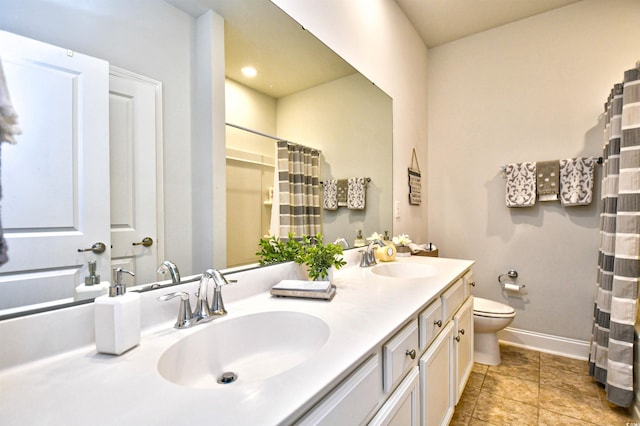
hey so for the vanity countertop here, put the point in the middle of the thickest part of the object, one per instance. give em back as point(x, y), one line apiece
point(82, 387)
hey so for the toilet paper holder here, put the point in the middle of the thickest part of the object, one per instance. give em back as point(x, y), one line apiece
point(513, 274)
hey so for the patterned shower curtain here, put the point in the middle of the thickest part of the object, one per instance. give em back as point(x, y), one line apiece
point(298, 190)
point(612, 345)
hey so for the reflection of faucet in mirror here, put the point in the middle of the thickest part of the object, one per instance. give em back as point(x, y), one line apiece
point(168, 265)
point(343, 242)
point(368, 255)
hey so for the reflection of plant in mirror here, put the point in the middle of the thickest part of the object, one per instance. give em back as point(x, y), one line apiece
point(275, 250)
point(320, 257)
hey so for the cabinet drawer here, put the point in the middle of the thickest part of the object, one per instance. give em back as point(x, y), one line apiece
point(352, 400)
point(469, 284)
point(452, 299)
point(430, 323)
point(397, 354)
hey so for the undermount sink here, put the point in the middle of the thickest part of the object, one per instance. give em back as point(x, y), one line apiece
point(244, 349)
point(404, 270)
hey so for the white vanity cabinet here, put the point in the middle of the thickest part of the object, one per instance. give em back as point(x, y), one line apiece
point(403, 407)
point(436, 379)
point(463, 346)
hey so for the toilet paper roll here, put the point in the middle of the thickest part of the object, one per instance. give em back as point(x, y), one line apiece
point(511, 287)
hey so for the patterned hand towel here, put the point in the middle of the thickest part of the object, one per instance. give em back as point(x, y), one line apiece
point(521, 184)
point(342, 192)
point(330, 194)
point(356, 193)
point(576, 181)
point(548, 180)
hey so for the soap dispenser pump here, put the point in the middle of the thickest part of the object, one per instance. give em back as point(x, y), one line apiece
point(92, 286)
point(117, 317)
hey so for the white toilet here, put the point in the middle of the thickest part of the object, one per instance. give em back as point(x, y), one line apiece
point(489, 317)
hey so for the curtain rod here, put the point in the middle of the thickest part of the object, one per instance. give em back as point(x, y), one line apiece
point(246, 129)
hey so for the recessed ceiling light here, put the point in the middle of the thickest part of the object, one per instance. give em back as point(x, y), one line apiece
point(249, 71)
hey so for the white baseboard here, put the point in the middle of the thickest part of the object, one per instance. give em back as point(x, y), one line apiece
point(571, 348)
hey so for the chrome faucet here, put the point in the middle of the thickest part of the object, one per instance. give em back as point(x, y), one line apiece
point(343, 242)
point(168, 265)
point(368, 255)
point(204, 311)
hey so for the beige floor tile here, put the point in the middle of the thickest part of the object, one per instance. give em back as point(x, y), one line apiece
point(548, 418)
point(497, 410)
point(568, 380)
point(478, 422)
point(570, 364)
point(523, 371)
point(579, 406)
point(525, 391)
point(480, 368)
point(474, 384)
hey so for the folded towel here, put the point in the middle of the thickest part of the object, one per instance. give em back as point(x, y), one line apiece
point(521, 184)
point(357, 188)
point(576, 181)
point(548, 180)
point(302, 285)
point(330, 194)
point(342, 192)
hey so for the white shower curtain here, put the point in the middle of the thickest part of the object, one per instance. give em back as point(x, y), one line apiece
point(612, 345)
point(296, 201)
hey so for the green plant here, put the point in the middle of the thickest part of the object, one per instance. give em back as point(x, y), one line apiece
point(319, 257)
point(275, 250)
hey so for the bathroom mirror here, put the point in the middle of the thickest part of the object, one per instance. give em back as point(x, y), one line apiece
point(155, 38)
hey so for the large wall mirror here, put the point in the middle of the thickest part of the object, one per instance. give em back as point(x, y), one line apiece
point(303, 93)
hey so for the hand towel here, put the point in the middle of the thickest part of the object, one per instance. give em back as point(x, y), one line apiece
point(330, 194)
point(521, 184)
point(357, 188)
point(548, 180)
point(342, 192)
point(576, 181)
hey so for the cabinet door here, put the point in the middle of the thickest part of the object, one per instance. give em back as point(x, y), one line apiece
point(436, 380)
point(403, 406)
point(463, 345)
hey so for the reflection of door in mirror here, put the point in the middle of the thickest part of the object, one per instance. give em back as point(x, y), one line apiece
point(53, 179)
point(134, 116)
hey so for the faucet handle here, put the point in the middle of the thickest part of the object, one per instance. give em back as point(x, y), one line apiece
point(185, 316)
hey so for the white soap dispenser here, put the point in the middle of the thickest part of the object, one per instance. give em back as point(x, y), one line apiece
point(117, 317)
point(92, 286)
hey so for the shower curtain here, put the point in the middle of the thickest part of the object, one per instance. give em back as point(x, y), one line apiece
point(612, 343)
point(296, 206)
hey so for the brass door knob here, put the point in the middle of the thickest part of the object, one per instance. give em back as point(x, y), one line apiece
point(97, 248)
point(146, 242)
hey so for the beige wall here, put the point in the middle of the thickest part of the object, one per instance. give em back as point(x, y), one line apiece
point(529, 91)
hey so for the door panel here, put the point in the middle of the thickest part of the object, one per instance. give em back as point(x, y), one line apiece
point(55, 180)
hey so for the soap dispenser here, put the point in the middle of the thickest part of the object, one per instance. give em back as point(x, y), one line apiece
point(92, 286)
point(359, 241)
point(388, 252)
point(117, 317)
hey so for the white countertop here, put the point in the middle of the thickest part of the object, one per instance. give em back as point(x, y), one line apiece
point(83, 387)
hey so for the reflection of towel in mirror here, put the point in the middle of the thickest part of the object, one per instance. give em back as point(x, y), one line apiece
point(521, 184)
point(356, 193)
point(342, 192)
point(8, 117)
point(576, 181)
point(548, 180)
point(330, 194)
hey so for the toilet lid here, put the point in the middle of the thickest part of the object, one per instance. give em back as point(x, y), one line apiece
point(491, 307)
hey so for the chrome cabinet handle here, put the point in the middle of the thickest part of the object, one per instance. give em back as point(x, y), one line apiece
point(411, 353)
point(438, 323)
point(97, 248)
point(146, 242)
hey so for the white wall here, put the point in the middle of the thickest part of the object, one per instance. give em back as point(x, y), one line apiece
point(377, 39)
point(127, 35)
point(532, 90)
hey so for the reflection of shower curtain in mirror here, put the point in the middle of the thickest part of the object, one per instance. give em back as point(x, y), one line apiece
point(612, 346)
point(296, 201)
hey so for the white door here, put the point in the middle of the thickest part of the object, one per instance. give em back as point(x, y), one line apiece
point(134, 130)
point(55, 180)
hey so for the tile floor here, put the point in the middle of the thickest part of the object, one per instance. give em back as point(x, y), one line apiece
point(534, 388)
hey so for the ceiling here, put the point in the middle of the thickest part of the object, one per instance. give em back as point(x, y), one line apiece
point(442, 21)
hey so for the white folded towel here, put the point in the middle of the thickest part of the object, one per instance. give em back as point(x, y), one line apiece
point(303, 285)
point(521, 184)
point(330, 194)
point(576, 181)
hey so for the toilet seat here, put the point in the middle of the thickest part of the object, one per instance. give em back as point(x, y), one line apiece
point(489, 308)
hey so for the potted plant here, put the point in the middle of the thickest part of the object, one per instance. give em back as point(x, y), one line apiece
point(319, 258)
point(275, 250)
